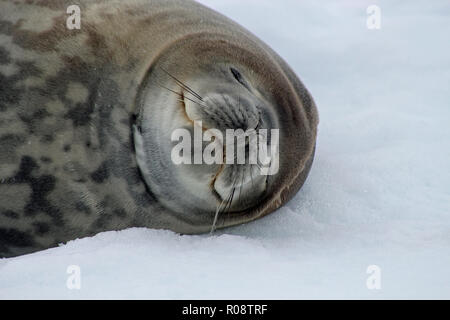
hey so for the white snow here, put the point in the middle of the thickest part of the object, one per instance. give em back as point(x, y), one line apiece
point(378, 193)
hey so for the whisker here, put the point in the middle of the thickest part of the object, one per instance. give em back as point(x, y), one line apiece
point(181, 95)
point(240, 187)
point(231, 201)
point(251, 175)
point(224, 201)
point(215, 218)
point(225, 114)
point(184, 86)
point(227, 201)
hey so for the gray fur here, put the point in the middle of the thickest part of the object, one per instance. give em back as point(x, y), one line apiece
point(70, 98)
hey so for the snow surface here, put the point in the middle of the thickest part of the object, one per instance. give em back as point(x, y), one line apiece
point(378, 193)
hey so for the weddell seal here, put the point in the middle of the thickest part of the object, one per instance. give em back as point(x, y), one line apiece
point(88, 115)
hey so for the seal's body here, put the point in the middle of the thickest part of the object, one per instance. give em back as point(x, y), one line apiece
point(86, 117)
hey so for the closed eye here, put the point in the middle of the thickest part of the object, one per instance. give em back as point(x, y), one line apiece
point(238, 76)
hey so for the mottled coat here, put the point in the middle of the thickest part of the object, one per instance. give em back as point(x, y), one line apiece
point(67, 104)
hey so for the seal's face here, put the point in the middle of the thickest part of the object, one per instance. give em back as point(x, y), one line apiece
point(228, 103)
point(228, 113)
point(205, 85)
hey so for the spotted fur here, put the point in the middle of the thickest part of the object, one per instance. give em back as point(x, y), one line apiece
point(67, 105)
point(67, 167)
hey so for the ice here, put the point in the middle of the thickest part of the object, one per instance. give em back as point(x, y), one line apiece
point(378, 192)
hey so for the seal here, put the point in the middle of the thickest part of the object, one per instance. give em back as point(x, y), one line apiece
point(87, 117)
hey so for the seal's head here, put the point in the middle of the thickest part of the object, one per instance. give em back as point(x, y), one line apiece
point(231, 98)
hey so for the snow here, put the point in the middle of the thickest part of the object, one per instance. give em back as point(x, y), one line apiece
point(378, 192)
